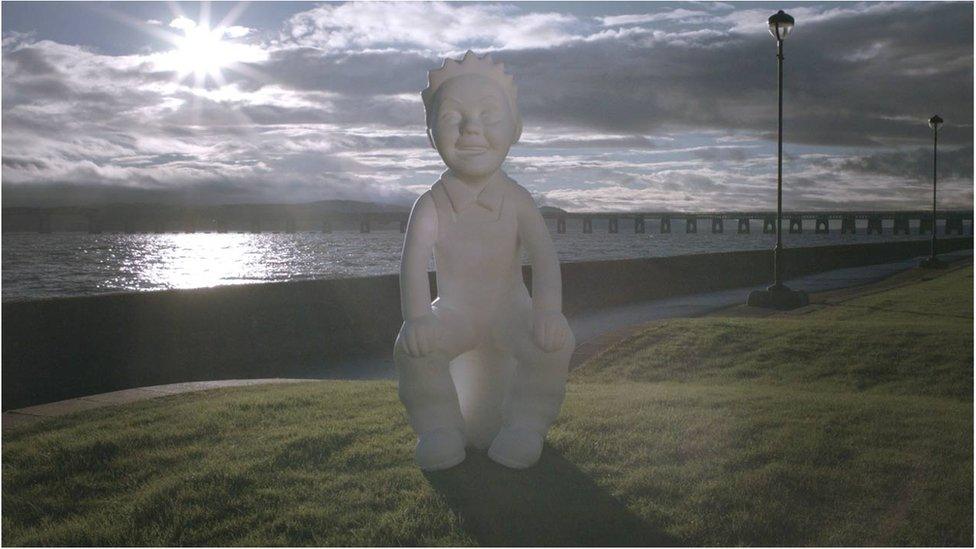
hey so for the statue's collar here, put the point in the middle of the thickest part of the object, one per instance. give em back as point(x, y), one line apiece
point(462, 195)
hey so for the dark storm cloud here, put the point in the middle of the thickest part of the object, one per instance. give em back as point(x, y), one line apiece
point(30, 61)
point(280, 187)
point(350, 73)
point(722, 153)
point(99, 92)
point(213, 191)
point(917, 164)
point(585, 141)
point(37, 90)
point(867, 79)
point(23, 163)
point(663, 107)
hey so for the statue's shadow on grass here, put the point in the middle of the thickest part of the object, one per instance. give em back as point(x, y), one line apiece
point(550, 504)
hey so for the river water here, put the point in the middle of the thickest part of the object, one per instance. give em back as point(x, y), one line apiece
point(69, 264)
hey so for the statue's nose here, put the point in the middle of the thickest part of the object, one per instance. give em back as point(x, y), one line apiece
point(471, 125)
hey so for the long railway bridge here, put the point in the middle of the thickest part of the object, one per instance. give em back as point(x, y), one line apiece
point(792, 221)
point(93, 220)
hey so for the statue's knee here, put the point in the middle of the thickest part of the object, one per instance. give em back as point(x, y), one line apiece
point(404, 362)
point(402, 359)
point(399, 348)
point(570, 345)
point(558, 357)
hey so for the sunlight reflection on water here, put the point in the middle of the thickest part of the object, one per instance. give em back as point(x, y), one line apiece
point(62, 264)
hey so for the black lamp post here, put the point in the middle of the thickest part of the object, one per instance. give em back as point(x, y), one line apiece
point(778, 296)
point(932, 261)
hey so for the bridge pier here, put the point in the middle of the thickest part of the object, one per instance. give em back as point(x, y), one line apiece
point(847, 224)
point(94, 226)
point(902, 221)
point(639, 225)
point(796, 225)
point(901, 225)
point(874, 224)
point(822, 226)
point(44, 223)
point(953, 224)
point(925, 225)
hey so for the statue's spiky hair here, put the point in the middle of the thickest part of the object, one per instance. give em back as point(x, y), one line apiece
point(469, 64)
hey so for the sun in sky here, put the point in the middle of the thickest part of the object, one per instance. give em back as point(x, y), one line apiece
point(201, 50)
point(205, 51)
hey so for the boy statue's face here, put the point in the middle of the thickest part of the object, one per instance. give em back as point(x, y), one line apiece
point(473, 125)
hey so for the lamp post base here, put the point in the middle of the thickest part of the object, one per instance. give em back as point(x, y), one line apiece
point(932, 263)
point(778, 297)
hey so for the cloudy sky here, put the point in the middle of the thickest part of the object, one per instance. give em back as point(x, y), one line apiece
point(652, 106)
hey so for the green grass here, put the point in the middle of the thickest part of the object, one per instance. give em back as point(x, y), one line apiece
point(914, 340)
point(849, 425)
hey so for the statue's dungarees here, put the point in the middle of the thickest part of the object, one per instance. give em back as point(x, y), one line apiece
point(487, 371)
point(484, 280)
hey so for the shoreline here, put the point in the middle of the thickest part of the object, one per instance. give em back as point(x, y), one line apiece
point(85, 279)
point(894, 277)
point(827, 288)
point(62, 348)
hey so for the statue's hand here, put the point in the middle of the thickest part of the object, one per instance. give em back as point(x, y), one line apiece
point(420, 335)
point(551, 330)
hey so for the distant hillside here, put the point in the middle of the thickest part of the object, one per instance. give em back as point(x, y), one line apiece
point(344, 206)
point(323, 206)
point(154, 217)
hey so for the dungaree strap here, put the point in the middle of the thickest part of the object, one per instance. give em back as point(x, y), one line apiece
point(442, 204)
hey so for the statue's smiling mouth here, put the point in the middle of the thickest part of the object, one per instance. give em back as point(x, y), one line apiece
point(472, 150)
point(471, 145)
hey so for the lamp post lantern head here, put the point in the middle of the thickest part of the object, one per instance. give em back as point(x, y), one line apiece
point(935, 122)
point(780, 24)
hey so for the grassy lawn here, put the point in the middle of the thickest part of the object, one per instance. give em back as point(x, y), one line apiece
point(851, 424)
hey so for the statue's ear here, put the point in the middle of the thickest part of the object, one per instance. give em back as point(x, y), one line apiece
point(518, 131)
point(430, 138)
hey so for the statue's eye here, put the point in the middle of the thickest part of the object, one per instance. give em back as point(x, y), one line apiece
point(450, 117)
point(491, 115)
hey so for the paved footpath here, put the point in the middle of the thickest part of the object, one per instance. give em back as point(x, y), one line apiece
point(594, 331)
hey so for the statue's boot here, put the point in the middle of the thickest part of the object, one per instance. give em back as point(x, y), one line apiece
point(536, 395)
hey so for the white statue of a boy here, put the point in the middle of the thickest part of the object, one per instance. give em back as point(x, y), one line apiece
point(484, 365)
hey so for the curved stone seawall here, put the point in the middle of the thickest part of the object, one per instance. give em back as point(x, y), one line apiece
point(67, 347)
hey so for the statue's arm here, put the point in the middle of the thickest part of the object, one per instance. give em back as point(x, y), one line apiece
point(547, 292)
point(549, 327)
point(418, 246)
